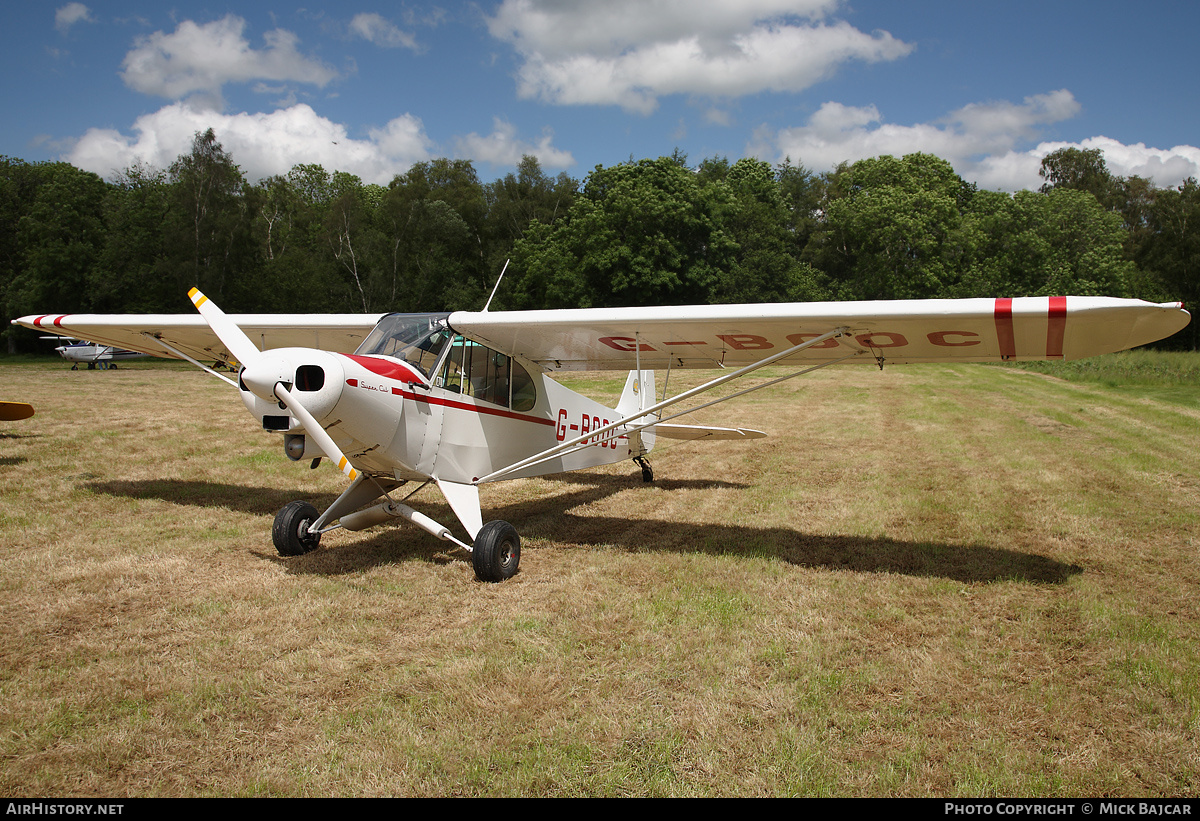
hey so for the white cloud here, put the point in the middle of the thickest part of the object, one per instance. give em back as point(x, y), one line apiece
point(70, 14)
point(631, 52)
point(969, 138)
point(1167, 168)
point(981, 140)
point(502, 147)
point(556, 29)
point(262, 144)
point(376, 29)
point(201, 59)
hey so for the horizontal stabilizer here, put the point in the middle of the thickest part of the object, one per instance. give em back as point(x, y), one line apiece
point(694, 432)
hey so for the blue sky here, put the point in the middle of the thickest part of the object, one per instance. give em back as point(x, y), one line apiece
point(371, 88)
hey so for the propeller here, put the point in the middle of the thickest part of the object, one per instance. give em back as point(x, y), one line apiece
point(226, 329)
point(263, 373)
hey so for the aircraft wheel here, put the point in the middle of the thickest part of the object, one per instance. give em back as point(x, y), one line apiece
point(496, 553)
point(289, 532)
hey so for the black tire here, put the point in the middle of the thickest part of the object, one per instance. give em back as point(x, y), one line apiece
point(290, 531)
point(496, 553)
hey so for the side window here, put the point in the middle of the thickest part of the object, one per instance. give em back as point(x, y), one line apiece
point(486, 375)
point(524, 394)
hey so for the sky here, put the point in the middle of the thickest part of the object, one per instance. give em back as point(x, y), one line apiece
point(372, 88)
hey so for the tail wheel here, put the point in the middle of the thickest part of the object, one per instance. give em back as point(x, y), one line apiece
point(496, 553)
point(290, 532)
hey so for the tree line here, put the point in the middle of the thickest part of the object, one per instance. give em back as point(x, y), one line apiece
point(652, 231)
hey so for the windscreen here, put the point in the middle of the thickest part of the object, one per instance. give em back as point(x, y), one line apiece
point(417, 339)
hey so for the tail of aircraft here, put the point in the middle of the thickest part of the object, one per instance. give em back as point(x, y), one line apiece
point(638, 395)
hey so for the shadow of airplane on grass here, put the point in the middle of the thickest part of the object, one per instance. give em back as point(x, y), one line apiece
point(550, 517)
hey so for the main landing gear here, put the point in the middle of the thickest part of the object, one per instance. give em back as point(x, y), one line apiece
point(644, 464)
point(496, 552)
point(290, 533)
point(495, 556)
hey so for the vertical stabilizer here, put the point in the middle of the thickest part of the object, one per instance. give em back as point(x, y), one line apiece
point(639, 394)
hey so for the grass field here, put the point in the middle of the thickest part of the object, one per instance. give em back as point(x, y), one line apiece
point(930, 581)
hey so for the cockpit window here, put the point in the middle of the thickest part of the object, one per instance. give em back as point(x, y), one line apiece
point(417, 339)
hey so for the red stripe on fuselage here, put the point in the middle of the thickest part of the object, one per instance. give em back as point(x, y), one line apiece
point(1057, 329)
point(391, 368)
point(457, 405)
point(1004, 328)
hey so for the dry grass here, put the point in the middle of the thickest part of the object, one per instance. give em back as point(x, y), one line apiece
point(928, 581)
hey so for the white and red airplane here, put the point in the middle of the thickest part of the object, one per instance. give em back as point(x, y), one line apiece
point(461, 399)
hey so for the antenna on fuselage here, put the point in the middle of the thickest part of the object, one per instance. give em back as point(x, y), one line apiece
point(496, 286)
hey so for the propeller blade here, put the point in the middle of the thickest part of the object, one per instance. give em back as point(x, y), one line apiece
point(314, 429)
point(12, 411)
point(226, 329)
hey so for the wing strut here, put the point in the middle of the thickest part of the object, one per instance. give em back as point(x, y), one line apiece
point(707, 386)
point(180, 353)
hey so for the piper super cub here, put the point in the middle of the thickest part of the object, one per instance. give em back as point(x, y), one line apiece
point(460, 399)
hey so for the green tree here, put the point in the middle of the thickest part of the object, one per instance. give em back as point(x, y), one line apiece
point(639, 233)
point(60, 237)
point(887, 228)
point(293, 229)
point(515, 202)
point(209, 238)
point(433, 222)
point(19, 182)
point(802, 193)
point(1032, 244)
point(352, 235)
point(1174, 253)
point(132, 276)
point(748, 202)
point(1080, 169)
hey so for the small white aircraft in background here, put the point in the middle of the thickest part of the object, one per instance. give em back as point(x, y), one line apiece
point(461, 399)
point(78, 351)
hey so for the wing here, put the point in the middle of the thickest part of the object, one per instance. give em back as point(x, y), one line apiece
point(899, 331)
point(190, 334)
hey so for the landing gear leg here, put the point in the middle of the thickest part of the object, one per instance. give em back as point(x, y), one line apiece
point(647, 471)
point(290, 532)
point(496, 553)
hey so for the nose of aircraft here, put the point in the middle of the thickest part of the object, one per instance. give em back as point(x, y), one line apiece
point(314, 377)
point(261, 376)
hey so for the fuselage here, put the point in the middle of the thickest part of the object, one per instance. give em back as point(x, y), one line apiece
point(457, 413)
